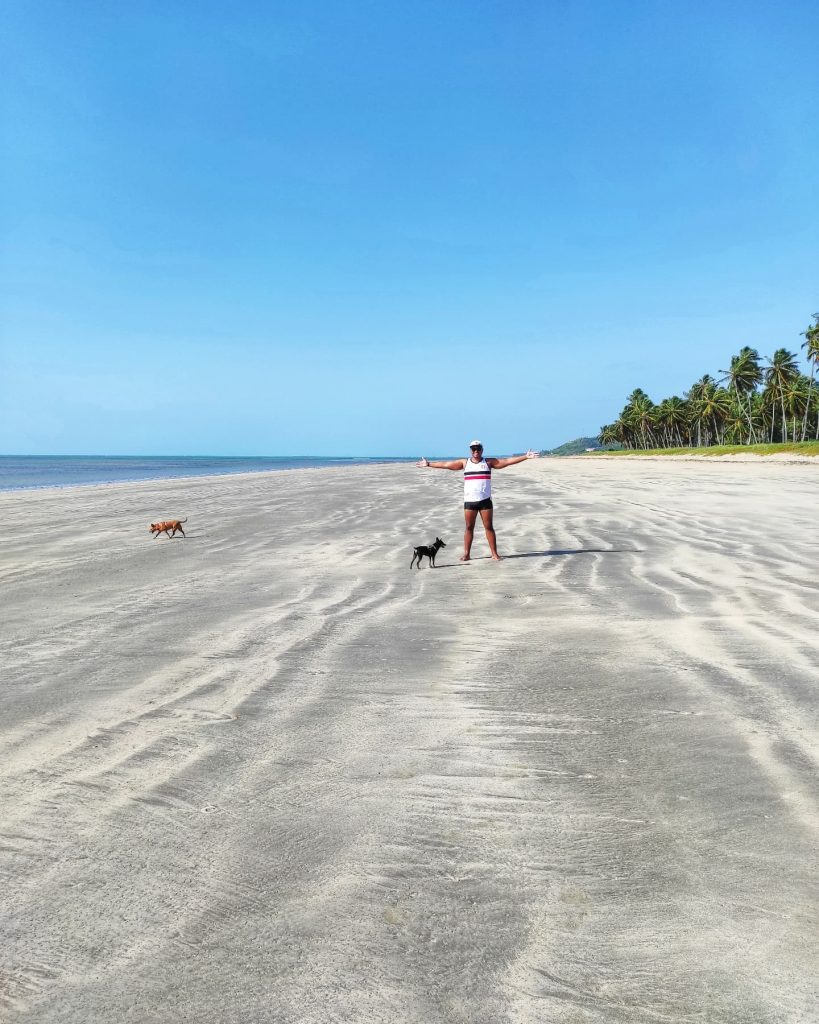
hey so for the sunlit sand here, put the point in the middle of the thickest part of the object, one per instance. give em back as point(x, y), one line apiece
point(268, 773)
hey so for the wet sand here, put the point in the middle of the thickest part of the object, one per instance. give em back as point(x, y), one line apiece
point(268, 774)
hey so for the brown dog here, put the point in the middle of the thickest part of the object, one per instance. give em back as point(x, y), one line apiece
point(169, 526)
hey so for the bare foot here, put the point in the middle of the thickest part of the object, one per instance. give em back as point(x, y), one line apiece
point(496, 558)
point(464, 558)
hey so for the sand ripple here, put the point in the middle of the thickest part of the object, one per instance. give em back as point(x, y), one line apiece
point(268, 774)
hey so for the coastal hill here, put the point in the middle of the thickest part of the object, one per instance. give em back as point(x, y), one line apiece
point(576, 447)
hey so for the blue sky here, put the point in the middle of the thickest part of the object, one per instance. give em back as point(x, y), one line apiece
point(384, 228)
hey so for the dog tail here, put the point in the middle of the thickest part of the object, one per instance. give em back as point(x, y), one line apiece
point(184, 520)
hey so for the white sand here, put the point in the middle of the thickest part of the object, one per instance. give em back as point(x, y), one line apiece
point(268, 774)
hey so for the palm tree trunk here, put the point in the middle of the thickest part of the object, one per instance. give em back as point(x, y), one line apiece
point(739, 403)
point(807, 403)
point(752, 432)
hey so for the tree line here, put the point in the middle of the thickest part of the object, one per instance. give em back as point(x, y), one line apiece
point(756, 400)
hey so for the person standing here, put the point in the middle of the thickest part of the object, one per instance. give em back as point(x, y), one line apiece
point(477, 470)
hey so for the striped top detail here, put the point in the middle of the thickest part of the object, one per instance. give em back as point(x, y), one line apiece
point(477, 480)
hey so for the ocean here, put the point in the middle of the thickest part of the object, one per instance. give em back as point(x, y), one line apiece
point(22, 472)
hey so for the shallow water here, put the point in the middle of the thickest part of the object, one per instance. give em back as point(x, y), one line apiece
point(30, 471)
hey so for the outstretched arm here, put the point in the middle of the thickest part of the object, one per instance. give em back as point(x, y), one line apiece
point(513, 460)
point(454, 464)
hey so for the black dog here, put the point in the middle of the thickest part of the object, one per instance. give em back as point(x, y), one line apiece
point(427, 551)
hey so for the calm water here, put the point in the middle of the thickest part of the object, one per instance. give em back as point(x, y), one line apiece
point(18, 471)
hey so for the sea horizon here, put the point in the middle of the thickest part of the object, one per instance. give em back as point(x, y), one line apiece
point(33, 472)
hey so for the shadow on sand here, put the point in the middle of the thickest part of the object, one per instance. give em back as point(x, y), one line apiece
point(572, 551)
point(553, 553)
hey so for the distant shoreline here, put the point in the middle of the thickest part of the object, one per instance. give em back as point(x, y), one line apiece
point(42, 472)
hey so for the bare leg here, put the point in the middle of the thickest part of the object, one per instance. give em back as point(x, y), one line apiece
point(486, 519)
point(470, 518)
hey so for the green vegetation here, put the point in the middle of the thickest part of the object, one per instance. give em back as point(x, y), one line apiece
point(576, 447)
point(752, 406)
point(795, 447)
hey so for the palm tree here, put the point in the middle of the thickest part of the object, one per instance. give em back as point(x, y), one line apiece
point(624, 432)
point(643, 417)
point(781, 371)
point(736, 421)
point(797, 400)
point(608, 434)
point(759, 413)
point(716, 406)
point(637, 418)
point(741, 411)
point(744, 375)
point(696, 398)
point(672, 415)
point(661, 419)
point(811, 346)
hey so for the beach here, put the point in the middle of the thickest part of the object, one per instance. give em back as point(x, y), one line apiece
point(266, 773)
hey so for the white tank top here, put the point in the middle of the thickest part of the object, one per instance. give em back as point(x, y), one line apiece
point(477, 480)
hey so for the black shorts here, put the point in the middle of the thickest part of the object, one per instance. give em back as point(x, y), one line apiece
point(478, 506)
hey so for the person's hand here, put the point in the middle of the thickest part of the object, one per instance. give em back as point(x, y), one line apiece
point(532, 455)
point(423, 463)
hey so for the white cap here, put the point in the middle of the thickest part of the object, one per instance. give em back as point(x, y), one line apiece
point(476, 444)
